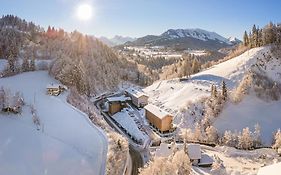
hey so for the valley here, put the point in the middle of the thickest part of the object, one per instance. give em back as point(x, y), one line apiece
point(140, 88)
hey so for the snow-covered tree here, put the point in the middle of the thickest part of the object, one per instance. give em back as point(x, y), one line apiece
point(230, 139)
point(187, 135)
point(178, 164)
point(245, 140)
point(277, 140)
point(182, 163)
point(158, 166)
point(2, 98)
point(257, 136)
point(218, 167)
point(212, 134)
point(198, 132)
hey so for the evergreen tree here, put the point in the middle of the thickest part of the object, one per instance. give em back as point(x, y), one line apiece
point(268, 34)
point(215, 92)
point(195, 66)
point(25, 65)
point(11, 63)
point(254, 36)
point(224, 90)
point(246, 39)
point(277, 140)
point(32, 63)
point(257, 136)
point(245, 140)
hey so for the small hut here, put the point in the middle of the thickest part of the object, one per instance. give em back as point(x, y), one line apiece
point(55, 89)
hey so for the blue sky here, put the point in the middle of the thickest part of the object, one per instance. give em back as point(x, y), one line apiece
point(141, 17)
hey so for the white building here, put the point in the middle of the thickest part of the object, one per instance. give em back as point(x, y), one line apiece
point(193, 150)
point(194, 153)
point(139, 98)
point(274, 169)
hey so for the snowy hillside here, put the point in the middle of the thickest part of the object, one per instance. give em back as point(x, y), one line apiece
point(249, 112)
point(174, 95)
point(67, 143)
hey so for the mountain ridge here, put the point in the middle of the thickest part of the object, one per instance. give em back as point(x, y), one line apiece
point(185, 39)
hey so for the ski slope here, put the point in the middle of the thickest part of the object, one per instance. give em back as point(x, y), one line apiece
point(67, 142)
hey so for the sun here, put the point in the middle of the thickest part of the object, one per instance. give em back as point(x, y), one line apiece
point(84, 12)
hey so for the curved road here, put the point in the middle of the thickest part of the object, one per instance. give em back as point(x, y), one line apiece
point(137, 161)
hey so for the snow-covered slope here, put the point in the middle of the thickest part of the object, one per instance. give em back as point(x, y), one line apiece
point(67, 142)
point(175, 94)
point(248, 113)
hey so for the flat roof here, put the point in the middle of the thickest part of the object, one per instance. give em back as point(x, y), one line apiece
point(135, 92)
point(119, 98)
point(194, 151)
point(50, 86)
point(160, 113)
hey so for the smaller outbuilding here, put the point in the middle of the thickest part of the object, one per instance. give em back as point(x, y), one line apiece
point(116, 104)
point(55, 89)
point(139, 98)
point(193, 151)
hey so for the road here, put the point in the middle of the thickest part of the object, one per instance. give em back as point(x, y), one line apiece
point(136, 157)
point(137, 161)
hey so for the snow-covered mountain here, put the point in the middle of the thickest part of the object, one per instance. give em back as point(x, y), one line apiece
point(176, 95)
point(200, 34)
point(185, 39)
point(116, 40)
point(234, 40)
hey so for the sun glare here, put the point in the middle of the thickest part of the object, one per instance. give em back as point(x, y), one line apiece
point(84, 12)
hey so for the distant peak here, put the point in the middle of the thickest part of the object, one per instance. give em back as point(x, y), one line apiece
point(197, 33)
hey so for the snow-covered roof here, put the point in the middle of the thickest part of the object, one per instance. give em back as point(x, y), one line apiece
point(119, 98)
point(127, 122)
point(135, 92)
point(163, 150)
point(274, 169)
point(194, 151)
point(52, 86)
point(160, 113)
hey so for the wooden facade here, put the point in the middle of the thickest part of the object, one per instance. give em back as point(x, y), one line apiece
point(114, 107)
point(158, 118)
point(116, 104)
